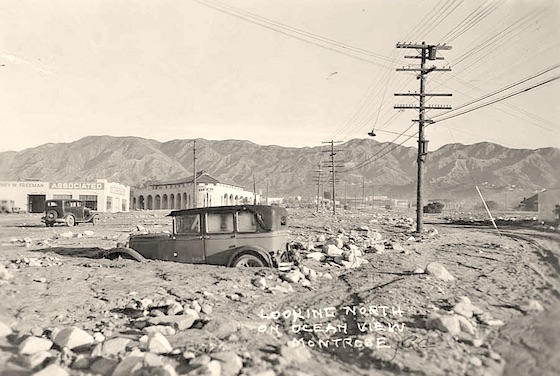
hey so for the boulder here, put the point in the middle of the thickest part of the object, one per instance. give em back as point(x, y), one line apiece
point(332, 250)
point(33, 345)
point(438, 271)
point(73, 337)
point(319, 256)
point(52, 370)
point(158, 344)
point(447, 323)
point(231, 363)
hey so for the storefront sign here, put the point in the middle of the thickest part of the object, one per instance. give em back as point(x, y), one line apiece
point(117, 190)
point(97, 186)
point(23, 184)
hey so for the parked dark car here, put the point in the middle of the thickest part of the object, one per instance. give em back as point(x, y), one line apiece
point(242, 235)
point(69, 212)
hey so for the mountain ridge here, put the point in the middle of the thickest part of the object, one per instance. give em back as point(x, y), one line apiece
point(291, 171)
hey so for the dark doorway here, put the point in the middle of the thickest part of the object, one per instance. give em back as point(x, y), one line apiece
point(36, 203)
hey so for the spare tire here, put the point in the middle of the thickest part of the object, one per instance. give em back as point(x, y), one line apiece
point(51, 215)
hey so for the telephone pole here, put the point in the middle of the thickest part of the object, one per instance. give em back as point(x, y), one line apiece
point(333, 171)
point(319, 182)
point(426, 52)
point(195, 188)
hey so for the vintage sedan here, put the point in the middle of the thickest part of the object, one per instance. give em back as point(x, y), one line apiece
point(242, 235)
point(69, 212)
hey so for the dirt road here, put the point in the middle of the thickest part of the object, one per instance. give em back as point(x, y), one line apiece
point(500, 314)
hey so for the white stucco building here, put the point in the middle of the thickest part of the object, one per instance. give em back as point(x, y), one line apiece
point(99, 195)
point(179, 194)
point(548, 200)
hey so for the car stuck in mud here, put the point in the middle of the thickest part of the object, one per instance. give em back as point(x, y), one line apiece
point(238, 236)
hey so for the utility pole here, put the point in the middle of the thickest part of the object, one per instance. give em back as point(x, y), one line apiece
point(254, 191)
point(195, 188)
point(363, 193)
point(426, 52)
point(318, 185)
point(333, 171)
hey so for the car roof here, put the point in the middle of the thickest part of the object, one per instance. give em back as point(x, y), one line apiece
point(225, 209)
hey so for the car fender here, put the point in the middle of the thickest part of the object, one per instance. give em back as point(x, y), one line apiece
point(124, 251)
point(257, 251)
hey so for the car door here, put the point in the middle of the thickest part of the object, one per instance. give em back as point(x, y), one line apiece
point(187, 244)
point(220, 240)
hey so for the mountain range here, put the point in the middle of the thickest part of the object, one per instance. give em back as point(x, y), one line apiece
point(362, 166)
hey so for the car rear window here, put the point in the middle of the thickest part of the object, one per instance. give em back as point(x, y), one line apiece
point(219, 223)
point(52, 204)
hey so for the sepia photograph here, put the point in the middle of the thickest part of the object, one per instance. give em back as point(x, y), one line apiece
point(279, 188)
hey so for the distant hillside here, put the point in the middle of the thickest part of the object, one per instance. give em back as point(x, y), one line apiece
point(370, 167)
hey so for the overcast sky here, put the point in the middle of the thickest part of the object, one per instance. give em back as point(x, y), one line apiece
point(282, 72)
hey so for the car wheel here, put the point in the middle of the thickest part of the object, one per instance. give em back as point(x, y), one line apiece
point(248, 261)
point(70, 220)
point(95, 220)
point(51, 215)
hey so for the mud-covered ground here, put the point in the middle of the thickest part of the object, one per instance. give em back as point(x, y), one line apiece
point(375, 309)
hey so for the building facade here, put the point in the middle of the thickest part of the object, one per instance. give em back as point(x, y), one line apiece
point(100, 195)
point(549, 205)
point(179, 194)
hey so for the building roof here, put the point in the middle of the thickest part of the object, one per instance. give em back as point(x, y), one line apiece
point(201, 177)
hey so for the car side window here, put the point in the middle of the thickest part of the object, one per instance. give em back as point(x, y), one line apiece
point(246, 222)
point(187, 224)
point(219, 223)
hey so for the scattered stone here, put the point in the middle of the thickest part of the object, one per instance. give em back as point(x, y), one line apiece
point(66, 235)
point(213, 368)
point(295, 354)
point(73, 337)
point(131, 364)
point(104, 366)
point(88, 233)
point(196, 306)
point(259, 282)
point(494, 322)
point(464, 307)
point(531, 306)
point(163, 329)
point(206, 308)
point(174, 308)
point(40, 280)
point(98, 337)
point(33, 345)
point(319, 256)
point(4, 330)
point(449, 324)
point(327, 276)
point(52, 370)
point(475, 361)
point(158, 344)
point(293, 277)
point(111, 348)
point(37, 360)
point(332, 250)
point(231, 362)
point(466, 325)
point(438, 271)
point(179, 322)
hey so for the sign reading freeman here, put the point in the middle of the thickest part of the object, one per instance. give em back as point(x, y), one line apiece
point(98, 186)
point(368, 325)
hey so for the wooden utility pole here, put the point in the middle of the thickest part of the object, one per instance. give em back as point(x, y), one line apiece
point(195, 188)
point(318, 185)
point(426, 52)
point(333, 171)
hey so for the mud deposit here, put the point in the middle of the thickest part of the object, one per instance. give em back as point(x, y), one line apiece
point(458, 300)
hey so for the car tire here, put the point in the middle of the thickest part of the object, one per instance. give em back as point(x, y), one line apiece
point(95, 220)
point(51, 215)
point(70, 220)
point(248, 261)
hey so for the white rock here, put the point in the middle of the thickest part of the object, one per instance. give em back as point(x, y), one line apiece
point(52, 370)
point(67, 235)
point(444, 323)
point(332, 250)
point(319, 256)
point(33, 345)
point(158, 344)
point(438, 271)
point(73, 337)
